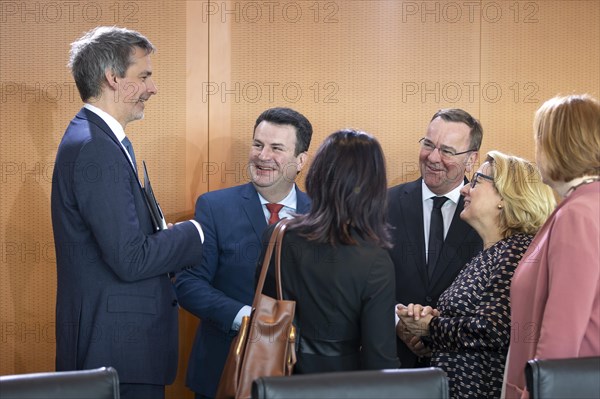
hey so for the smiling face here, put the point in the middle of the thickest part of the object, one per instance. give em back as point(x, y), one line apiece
point(442, 174)
point(133, 89)
point(273, 163)
point(481, 209)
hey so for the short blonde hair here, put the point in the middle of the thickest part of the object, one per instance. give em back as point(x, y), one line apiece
point(567, 133)
point(527, 200)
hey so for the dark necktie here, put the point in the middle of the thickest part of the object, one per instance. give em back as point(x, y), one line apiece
point(129, 148)
point(436, 234)
point(274, 209)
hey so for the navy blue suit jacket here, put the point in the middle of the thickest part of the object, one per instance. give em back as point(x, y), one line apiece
point(115, 304)
point(405, 215)
point(233, 222)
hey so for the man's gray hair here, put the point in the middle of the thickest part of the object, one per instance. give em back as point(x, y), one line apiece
point(103, 48)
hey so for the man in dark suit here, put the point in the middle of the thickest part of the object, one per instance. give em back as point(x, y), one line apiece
point(220, 290)
point(424, 267)
point(116, 305)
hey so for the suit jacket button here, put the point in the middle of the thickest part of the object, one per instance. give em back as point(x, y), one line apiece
point(174, 303)
point(428, 299)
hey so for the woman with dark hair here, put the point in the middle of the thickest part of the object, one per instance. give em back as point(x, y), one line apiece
point(335, 264)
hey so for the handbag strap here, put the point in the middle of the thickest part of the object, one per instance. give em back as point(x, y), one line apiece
point(278, 247)
point(275, 240)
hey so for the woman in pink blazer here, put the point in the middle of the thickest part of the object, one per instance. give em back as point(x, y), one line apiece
point(555, 291)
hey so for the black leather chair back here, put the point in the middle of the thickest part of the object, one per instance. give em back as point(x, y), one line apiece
point(563, 378)
point(102, 383)
point(429, 383)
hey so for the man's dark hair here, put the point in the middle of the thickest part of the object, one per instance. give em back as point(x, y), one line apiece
point(287, 116)
point(459, 115)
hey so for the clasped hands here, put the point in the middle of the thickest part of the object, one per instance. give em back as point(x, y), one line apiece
point(414, 324)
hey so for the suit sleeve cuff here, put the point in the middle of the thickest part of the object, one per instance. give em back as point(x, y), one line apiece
point(237, 322)
point(199, 230)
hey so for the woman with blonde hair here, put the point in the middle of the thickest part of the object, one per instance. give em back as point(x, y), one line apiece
point(555, 293)
point(469, 332)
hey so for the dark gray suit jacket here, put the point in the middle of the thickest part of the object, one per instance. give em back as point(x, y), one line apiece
point(115, 304)
point(345, 299)
point(405, 214)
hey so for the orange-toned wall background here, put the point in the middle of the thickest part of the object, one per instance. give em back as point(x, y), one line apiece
point(384, 66)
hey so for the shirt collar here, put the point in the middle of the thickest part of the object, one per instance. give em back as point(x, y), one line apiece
point(453, 195)
point(290, 201)
point(112, 123)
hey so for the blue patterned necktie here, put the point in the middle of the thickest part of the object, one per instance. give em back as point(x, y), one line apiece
point(129, 148)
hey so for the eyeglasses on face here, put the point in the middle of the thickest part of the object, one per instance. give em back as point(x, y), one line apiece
point(477, 175)
point(445, 152)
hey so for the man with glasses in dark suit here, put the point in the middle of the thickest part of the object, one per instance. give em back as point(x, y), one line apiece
point(431, 243)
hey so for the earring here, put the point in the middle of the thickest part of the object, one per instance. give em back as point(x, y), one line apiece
point(500, 206)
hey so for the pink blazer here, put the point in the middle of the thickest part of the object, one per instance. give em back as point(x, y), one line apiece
point(555, 300)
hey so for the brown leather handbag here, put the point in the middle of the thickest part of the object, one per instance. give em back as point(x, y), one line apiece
point(265, 345)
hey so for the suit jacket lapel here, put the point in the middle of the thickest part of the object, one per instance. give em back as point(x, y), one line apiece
point(302, 201)
point(412, 209)
point(85, 113)
point(455, 238)
point(90, 116)
point(253, 209)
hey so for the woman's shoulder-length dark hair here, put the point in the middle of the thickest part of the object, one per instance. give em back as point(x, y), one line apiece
point(347, 185)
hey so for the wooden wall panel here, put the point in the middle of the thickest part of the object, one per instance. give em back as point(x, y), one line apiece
point(381, 66)
point(384, 66)
point(535, 51)
point(387, 66)
point(220, 171)
point(37, 100)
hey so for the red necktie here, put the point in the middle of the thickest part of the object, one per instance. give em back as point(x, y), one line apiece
point(274, 209)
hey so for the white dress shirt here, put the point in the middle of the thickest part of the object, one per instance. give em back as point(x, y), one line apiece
point(448, 210)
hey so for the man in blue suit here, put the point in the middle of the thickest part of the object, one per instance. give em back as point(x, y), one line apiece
point(115, 303)
point(221, 289)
